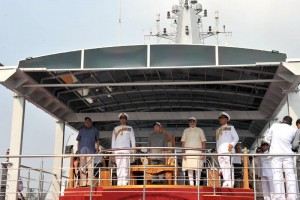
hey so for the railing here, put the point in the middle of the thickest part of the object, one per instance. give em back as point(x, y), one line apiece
point(38, 181)
point(33, 183)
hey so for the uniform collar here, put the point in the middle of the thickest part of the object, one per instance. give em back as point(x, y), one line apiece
point(224, 125)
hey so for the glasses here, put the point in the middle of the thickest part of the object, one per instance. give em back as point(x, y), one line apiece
point(122, 117)
point(190, 121)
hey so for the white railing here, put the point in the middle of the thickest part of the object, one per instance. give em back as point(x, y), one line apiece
point(38, 181)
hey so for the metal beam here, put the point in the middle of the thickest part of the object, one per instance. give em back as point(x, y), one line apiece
point(189, 104)
point(293, 67)
point(204, 115)
point(225, 82)
point(6, 73)
point(194, 90)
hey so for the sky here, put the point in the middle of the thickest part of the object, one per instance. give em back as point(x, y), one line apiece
point(33, 28)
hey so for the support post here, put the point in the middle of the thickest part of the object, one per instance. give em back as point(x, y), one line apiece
point(58, 161)
point(16, 140)
point(71, 172)
point(294, 106)
point(246, 176)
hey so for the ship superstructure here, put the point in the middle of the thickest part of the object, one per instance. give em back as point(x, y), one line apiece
point(153, 82)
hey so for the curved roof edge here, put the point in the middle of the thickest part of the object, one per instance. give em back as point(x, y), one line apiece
point(158, 55)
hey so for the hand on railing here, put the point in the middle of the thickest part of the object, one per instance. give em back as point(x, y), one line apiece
point(230, 147)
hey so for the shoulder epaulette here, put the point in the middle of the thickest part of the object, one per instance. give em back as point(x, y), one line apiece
point(227, 128)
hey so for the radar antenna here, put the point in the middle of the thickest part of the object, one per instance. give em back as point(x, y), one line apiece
point(187, 25)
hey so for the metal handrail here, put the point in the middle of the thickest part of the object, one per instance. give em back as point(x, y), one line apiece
point(173, 154)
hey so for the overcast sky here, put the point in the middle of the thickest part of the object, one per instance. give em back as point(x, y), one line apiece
point(39, 27)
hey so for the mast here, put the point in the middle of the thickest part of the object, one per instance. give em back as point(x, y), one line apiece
point(186, 22)
point(187, 27)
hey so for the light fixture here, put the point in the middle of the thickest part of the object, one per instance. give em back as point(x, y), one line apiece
point(168, 15)
point(187, 30)
point(209, 29)
point(165, 31)
point(186, 4)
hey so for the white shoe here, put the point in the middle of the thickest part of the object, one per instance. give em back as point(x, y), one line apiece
point(226, 185)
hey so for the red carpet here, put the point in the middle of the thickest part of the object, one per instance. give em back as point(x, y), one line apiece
point(157, 192)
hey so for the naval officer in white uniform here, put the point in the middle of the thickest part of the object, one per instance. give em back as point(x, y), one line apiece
point(227, 138)
point(123, 137)
point(266, 172)
point(280, 136)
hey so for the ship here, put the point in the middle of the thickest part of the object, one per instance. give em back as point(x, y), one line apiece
point(166, 82)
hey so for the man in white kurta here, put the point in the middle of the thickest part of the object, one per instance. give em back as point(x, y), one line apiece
point(193, 137)
point(122, 137)
point(280, 136)
point(226, 138)
point(266, 172)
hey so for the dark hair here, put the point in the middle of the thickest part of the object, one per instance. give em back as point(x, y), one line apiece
point(287, 120)
point(87, 118)
point(213, 151)
point(258, 148)
point(264, 143)
point(298, 121)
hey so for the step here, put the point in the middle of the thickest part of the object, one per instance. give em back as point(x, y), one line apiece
point(226, 197)
point(82, 191)
point(157, 192)
point(82, 197)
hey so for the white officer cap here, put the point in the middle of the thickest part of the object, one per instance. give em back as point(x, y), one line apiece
point(193, 118)
point(224, 114)
point(157, 123)
point(264, 142)
point(123, 115)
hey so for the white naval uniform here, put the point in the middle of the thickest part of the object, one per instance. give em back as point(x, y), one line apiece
point(266, 176)
point(122, 136)
point(281, 136)
point(226, 135)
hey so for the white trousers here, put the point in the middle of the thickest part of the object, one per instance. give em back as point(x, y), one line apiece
point(267, 187)
point(286, 163)
point(191, 176)
point(227, 171)
point(122, 167)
